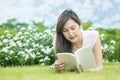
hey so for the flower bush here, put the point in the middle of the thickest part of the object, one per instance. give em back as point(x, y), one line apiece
point(30, 47)
point(108, 49)
point(27, 47)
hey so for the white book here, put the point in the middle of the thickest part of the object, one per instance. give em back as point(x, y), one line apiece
point(83, 57)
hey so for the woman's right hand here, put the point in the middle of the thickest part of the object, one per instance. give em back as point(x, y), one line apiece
point(59, 65)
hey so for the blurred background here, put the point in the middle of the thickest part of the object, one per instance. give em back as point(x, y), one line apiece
point(103, 13)
point(27, 28)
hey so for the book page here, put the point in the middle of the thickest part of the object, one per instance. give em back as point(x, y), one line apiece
point(69, 59)
point(85, 57)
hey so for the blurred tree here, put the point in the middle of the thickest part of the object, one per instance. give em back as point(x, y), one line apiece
point(13, 24)
point(10, 24)
point(39, 25)
point(112, 39)
point(87, 25)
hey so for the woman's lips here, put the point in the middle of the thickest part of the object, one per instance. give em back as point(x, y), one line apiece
point(72, 37)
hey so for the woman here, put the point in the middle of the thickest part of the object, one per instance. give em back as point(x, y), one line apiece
point(70, 37)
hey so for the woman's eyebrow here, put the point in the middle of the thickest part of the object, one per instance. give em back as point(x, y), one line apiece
point(72, 26)
point(69, 26)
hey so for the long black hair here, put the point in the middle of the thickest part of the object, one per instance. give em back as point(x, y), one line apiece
point(63, 45)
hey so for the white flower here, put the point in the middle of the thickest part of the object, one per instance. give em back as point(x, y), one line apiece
point(26, 50)
point(38, 53)
point(26, 56)
point(1, 43)
point(41, 46)
point(44, 35)
point(112, 47)
point(5, 40)
point(37, 35)
point(5, 50)
point(22, 37)
point(36, 45)
point(48, 50)
point(34, 29)
point(6, 31)
point(33, 43)
point(43, 64)
point(26, 32)
point(47, 31)
point(21, 52)
point(19, 43)
point(25, 44)
point(43, 50)
point(1, 37)
point(41, 60)
point(12, 44)
point(11, 52)
point(105, 46)
point(102, 36)
point(15, 38)
point(6, 58)
point(40, 33)
point(32, 55)
point(30, 50)
point(8, 35)
point(19, 33)
point(28, 41)
point(113, 41)
point(23, 28)
point(46, 58)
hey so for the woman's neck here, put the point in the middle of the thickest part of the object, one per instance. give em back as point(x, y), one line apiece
point(77, 44)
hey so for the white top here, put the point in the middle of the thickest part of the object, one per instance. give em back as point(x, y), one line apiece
point(89, 38)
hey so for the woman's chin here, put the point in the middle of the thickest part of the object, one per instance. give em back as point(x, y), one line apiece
point(73, 40)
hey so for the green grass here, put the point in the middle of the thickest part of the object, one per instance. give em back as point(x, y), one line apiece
point(111, 72)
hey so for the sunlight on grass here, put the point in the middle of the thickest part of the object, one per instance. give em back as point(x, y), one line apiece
point(111, 72)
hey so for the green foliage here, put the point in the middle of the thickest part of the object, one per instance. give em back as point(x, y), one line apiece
point(12, 24)
point(87, 25)
point(2, 30)
point(110, 43)
point(39, 25)
point(27, 47)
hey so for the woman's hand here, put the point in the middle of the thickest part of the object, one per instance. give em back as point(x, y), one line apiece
point(59, 65)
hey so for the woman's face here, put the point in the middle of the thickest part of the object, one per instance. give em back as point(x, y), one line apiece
point(71, 31)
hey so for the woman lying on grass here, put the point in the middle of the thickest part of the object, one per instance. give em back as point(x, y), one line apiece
point(70, 37)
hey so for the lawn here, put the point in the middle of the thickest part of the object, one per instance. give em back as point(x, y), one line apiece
point(111, 72)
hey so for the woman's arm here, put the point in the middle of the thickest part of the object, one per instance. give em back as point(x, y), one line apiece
point(98, 56)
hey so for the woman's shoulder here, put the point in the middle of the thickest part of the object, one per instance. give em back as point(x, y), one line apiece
point(90, 32)
point(90, 37)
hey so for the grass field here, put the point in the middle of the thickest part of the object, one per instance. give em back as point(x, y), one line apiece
point(111, 72)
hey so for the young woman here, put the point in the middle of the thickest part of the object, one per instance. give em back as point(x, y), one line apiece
point(70, 37)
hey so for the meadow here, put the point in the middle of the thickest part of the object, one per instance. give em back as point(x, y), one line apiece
point(37, 72)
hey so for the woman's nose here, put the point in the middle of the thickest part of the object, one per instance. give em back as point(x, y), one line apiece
point(70, 32)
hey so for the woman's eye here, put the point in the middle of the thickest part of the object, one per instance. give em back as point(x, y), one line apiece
point(73, 28)
point(64, 30)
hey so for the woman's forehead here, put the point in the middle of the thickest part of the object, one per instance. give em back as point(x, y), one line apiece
point(70, 23)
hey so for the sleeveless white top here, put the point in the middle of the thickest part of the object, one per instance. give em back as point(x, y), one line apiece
point(89, 38)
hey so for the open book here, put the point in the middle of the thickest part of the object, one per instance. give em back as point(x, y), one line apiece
point(83, 56)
